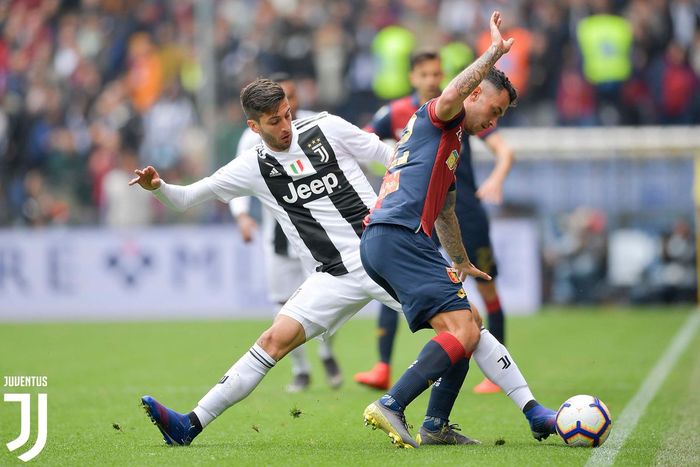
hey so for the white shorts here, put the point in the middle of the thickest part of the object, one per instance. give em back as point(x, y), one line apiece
point(284, 275)
point(324, 302)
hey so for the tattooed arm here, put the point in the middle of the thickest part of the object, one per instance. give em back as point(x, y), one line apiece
point(447, 227)
point(449, 103)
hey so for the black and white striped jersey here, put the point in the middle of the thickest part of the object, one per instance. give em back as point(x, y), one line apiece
point(275, 241)
point(316, 189)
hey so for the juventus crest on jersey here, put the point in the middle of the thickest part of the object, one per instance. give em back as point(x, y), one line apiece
point(316, 189)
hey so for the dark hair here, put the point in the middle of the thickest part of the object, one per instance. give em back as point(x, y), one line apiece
point(260, 97)
point(423, 55)
point(501, 81)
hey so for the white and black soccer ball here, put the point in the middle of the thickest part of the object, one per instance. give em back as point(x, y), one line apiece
point(584, 421)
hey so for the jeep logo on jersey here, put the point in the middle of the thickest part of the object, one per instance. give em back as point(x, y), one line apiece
point(318, 188)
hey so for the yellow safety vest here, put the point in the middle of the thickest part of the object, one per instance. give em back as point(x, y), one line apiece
point(391, 48)
point(605, 42)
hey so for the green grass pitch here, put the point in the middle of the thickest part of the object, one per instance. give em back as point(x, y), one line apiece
point(97, 373)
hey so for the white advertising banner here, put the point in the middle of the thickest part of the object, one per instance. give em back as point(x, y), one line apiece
point(95, 273)
point(186, 272)
point(517, 250)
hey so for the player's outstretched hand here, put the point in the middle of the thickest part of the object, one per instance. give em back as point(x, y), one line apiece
point(468, 269)
point(147, 178)
point(496, 39)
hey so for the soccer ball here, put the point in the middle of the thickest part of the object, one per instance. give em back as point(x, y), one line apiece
point(584, 421)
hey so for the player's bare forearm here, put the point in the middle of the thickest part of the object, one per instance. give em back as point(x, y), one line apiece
point(466, 82)
point(451, 238)
point(449, 104)
point(504, 156)
point(447, 227)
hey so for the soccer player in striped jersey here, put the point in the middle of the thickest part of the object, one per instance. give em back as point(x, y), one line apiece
point(426, 75)
point(307, 174)
point(283, 269)
point(418, 195)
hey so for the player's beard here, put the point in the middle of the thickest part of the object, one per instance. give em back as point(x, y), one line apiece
point(276, 144)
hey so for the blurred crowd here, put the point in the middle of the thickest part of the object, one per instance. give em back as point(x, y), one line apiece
point(578, 267)
point(91, 89)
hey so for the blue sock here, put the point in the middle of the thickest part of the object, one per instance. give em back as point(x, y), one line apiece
point(433, 361)
point(444, 394)
point(434, 423)
point(390, 402)
point(388, 322)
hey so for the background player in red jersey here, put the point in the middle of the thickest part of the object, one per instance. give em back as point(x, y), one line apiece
point(425, 76)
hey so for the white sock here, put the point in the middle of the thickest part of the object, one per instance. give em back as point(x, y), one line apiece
point(300, 364)
point(325, 350)
point(236, 384)
point(498, 366)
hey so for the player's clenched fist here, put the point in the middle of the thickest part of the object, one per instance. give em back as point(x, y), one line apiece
point(148, 178)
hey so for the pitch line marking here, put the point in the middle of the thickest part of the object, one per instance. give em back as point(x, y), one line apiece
point(635, 408)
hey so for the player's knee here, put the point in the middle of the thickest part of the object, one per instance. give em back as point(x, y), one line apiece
point(275, 343)
point(468, 335)
point(267, 341)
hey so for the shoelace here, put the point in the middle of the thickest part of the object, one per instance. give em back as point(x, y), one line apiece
point(452, 427)
point(405, 424)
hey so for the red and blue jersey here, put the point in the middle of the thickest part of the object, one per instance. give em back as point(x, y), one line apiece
point(421, 172)
point(390, 120)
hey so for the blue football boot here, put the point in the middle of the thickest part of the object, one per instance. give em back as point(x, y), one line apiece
point(542, 422)
point(177, 429)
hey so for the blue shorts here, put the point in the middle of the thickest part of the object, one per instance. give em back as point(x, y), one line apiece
point(409, 266)
point(474, 225)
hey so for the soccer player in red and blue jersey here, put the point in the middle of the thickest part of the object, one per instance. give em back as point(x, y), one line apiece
point(396, 250)
point(425, 76)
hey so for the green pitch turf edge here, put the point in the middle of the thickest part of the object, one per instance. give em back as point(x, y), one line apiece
point(98, 372)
